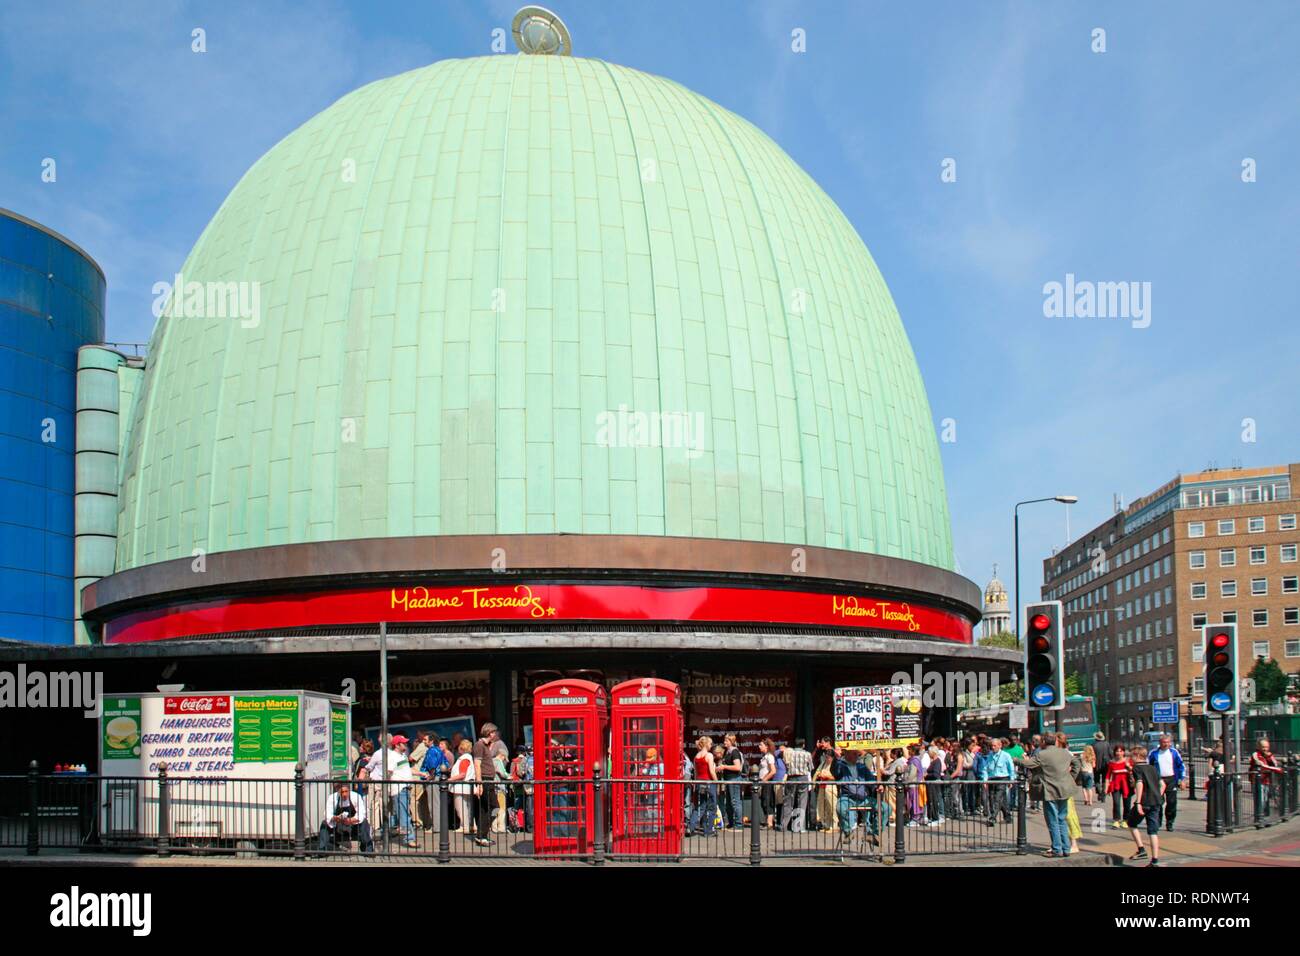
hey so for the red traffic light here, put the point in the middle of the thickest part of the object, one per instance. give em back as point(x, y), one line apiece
point(1219, 659)
point(1219, 640)
point(1040, 643)
point(1040, 622)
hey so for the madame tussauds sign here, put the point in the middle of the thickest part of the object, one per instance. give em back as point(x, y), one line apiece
point(541, 602)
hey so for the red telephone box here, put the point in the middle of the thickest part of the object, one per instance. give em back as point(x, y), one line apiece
point(645, 751)
point(570, 720)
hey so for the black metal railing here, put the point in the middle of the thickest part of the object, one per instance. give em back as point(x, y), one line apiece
point(591, 819)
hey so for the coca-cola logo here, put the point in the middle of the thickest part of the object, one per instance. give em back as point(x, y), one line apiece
point(196, 705)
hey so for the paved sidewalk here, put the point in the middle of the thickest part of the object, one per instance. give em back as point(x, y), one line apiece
point(1188, 843)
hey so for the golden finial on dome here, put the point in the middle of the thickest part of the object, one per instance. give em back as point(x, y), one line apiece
point(540, 32)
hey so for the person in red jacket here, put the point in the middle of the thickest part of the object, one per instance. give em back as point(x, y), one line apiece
point(1119, 784)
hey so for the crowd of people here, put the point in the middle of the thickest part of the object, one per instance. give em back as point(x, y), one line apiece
point(491, 792)
point(828, 788)
point(832, 788)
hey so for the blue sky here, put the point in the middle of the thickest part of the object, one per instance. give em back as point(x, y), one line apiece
point(1116, 166)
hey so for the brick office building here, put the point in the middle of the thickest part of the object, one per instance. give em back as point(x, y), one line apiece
point(1207, 547)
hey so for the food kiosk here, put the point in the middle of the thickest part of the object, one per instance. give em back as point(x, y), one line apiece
point(230, 758)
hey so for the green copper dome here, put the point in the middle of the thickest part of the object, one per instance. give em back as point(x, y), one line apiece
point(533, 294)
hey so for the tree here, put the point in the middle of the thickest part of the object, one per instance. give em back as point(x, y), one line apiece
point(1010, 692)
point(1000, 639)
point(1270, 680)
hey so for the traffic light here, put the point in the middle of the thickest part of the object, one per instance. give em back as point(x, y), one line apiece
point(1220, 661)
point(1044, 667)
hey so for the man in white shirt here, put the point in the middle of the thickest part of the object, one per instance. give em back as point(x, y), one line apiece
point(345, 819)
point(391, 769)
point(1169, 762)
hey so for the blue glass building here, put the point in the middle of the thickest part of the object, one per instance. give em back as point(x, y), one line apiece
point(51, 303)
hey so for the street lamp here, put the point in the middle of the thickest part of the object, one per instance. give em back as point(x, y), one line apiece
point(1063, 499)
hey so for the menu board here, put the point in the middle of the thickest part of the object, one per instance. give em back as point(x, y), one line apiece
point(338, 741)
point(266, 729)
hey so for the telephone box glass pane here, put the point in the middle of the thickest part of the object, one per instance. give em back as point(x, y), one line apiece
point(563, 758)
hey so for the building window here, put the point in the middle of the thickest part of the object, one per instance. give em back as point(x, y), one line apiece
point(1293, 648)
point(1164, 536)
point(1259, 649)
point(1227, 557)
point(1286, 553)
point(1227, 526)
point(1259, 586)
point(1222, 496)
point(1196, 529)
point(1198, 591)
point(1291, 615)
point(1259, 617)
point(1199, 619)
point(1291, 584)
point(1229, 617)
point(1198, 685)
point(1255, 525)
point(1198, 653)
point(1196, 560)
point(1228, 589)
point(1286, 522)
point(1258, 555)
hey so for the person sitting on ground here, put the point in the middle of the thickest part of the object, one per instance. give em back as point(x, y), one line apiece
point(345, 819)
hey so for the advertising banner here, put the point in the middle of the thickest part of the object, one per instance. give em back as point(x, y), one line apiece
point(316, 737)
point(266, 729)
point(750, 705)
point(121, 729)
point(339, 763)
point(551, 603)
point(877, 717)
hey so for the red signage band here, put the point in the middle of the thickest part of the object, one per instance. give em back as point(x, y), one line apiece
point(196, 705)
point(550, 603)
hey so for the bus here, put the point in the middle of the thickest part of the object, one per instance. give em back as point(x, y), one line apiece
point(1078, 721)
